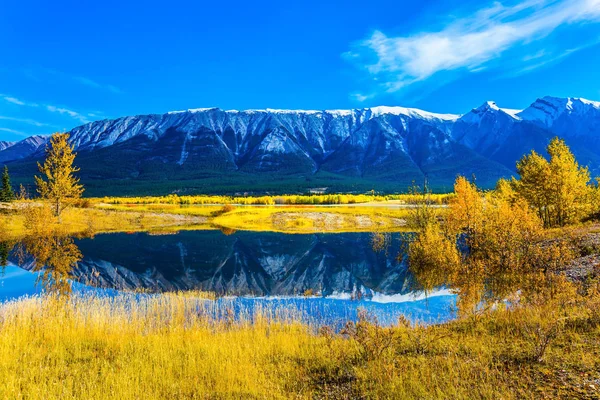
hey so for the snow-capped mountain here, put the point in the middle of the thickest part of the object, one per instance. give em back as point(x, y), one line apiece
point(23, 149)
point(358, 149)
point(505, 135)
point(484, 127)
point(5, 145)
point(577, 115)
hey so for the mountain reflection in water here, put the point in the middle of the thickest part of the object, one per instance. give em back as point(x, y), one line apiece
point(243, 264)
point(325, 278)
point(368, 270)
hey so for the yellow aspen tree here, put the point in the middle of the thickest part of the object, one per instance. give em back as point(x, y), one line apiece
point(58, 183)
point(466, 208)
point(568, 184)
point(534, 171)
point(558, 189)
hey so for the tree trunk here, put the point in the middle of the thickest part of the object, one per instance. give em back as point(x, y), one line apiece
point(58, 210)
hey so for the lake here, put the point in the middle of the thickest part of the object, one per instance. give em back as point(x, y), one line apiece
point(326, 278)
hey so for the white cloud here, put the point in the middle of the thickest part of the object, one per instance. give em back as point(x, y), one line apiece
point(43, 74)
point(14, 101)
point(14, 132)
point(114, 89)
point(91, 83)
point(468, 43)
point(70, 113)
point(360, 97)
point(87, 81)
point(27, 121)
point(83, 118)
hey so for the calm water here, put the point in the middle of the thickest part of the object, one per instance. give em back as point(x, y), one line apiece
point(327, 277)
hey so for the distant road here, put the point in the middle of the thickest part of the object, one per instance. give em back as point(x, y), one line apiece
point(388, 204)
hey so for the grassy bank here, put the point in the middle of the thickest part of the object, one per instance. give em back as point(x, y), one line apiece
point(170, 346)
point(298, 219)
point(283, 199)
point(288, 219)
point(89, 221)
point(93, 217)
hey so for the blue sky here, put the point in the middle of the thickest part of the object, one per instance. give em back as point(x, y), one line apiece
point(64, 63)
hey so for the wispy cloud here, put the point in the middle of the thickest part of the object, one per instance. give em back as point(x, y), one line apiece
point(27, 121)
point(361, 97)
point(14, 101)
point(81, 117)
point(73, 114)
point(42, 74)
point(92, 83)
point(470, 43)
point(19, 102)
point(14, 132)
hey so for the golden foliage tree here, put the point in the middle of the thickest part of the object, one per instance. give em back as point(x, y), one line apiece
point(595, 200)
point(489, 246)
point(505, 190)
point(557, 188)
point(58, 183)
point(422, 213)
point(467, 208)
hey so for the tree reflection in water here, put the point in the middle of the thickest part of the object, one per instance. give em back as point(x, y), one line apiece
point(54, 257)
point(479, 289)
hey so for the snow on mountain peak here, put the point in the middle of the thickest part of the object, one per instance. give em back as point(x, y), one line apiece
point(476, 115)
point(412, 112)
point(548, 109)
point(35, 140)
point(595, 104)
point(375, 111)
point(489, 105)
point(512, 112)
point(193, 110)
point(5, 145)
point(324, 129)
point(339, 113)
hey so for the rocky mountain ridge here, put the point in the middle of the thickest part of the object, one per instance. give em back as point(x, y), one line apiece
point(371, 145)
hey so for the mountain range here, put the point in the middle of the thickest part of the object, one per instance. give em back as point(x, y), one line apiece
point(211, 150)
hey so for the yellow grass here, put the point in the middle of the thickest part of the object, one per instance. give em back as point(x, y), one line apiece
point(146, 214)
point(283, 199)
point(165, 208)
point(89, 221)
point(170, 347)
point(287, 219)
point(307, 219)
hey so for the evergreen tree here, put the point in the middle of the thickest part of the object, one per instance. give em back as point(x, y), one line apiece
point(4, 252)
point(60, 184)
point(6, 192)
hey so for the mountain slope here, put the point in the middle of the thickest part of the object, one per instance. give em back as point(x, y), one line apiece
point(5, 145)
point(23, 149)
point(506, 135)
point(382, 148)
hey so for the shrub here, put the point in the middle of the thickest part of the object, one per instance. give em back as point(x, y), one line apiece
point(38, 219)
point(83, 203)
point(223, 210)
